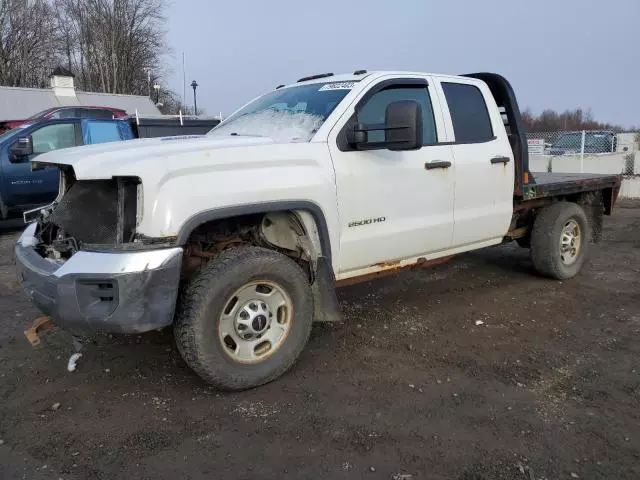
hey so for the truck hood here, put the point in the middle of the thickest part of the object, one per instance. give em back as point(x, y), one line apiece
point(135, 156)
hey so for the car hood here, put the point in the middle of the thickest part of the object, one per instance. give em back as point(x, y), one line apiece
point(134, 157)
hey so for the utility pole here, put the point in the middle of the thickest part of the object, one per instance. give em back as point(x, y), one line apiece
point(194, 85)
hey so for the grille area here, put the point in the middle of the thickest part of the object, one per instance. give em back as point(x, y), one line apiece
point(89, 211)
point(97, 211)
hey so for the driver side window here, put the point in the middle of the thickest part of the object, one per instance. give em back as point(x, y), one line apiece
point(374, 111)
point(54, 137)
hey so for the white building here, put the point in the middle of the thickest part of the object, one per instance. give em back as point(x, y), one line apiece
point(18, 103)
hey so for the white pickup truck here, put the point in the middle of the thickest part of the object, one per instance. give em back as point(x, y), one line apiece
point(239, 237)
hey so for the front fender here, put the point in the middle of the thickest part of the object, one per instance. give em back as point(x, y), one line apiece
point(191, 191)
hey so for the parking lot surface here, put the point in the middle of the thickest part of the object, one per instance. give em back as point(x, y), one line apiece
point(473, 370)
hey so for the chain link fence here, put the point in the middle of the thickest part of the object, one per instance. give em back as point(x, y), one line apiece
point(585, 151)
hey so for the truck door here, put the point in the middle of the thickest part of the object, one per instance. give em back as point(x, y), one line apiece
point(484, 162)
point(393, 205)
point(24, 187)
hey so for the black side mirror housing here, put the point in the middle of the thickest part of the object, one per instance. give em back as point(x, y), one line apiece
point(403, 125)
point(359, 136)
point(21, 149)
point(402, 129)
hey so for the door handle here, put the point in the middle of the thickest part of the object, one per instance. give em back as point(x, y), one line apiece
point(437, 164)
point(504, 160)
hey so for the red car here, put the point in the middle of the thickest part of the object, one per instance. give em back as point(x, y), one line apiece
point(66, 112)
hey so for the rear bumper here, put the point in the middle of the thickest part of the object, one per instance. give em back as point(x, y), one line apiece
point(123, 292)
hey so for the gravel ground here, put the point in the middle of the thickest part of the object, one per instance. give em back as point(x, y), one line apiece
point(473, 370)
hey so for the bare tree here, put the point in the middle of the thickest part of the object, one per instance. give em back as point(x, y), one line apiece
point(113, 46)
point(569, 120)
point(29, 46)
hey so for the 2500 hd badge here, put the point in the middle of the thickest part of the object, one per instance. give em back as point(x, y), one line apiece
point(368, 221)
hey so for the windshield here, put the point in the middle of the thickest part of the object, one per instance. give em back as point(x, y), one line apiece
point(288, 115)
point(41, 114)
point(599, 140)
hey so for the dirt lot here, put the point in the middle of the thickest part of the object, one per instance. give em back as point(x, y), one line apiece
point(547, 387)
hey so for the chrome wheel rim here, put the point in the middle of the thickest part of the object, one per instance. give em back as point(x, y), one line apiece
point(570, 242)
point(255, 321)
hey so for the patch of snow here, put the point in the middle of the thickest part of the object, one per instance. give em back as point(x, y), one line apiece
point(281, 126)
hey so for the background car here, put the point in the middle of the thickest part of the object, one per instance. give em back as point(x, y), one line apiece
point(594, 142)
point(66, 112)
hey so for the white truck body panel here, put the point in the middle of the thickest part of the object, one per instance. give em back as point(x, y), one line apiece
point(484, 191)
point(427, 213)
point(417, 204)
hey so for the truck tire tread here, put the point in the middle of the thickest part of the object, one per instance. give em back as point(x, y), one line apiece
point(545, 238)
point(193, 329)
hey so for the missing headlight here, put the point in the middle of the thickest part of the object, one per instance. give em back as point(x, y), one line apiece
point(98, 211)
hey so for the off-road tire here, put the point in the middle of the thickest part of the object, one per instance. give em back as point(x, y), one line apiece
point(200, 306)
point(545, 240)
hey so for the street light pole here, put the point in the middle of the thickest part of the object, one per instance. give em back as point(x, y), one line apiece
point(194, 85)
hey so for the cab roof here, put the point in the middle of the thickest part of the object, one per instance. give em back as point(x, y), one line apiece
point(357, 76)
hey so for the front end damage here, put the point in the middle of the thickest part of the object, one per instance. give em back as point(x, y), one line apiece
point(81, 262)
point(89, 215)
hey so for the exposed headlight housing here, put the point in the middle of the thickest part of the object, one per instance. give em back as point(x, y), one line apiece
point(139, 203)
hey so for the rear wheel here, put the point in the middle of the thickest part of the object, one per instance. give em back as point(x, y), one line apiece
point(560, 240)
point(245, 318)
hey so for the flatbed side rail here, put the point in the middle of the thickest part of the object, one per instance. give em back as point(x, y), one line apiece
point(545, 190)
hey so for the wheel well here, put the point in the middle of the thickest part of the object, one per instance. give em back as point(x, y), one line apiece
point(292, 232)
point(592, 202)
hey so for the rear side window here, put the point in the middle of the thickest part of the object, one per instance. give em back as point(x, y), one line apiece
point(469, 114)
point(65, 113)
point(95, 113)
point(100, 132)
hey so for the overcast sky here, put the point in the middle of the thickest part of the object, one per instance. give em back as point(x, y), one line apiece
point(557, 53)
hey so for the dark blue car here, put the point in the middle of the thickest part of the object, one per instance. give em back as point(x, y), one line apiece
point(20, 187)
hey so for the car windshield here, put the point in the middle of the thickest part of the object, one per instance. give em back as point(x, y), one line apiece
point(291, 114)
point(40, 114)
point(599, 140)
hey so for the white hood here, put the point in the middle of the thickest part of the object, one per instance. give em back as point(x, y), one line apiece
point(134, 157)
point(182, 176)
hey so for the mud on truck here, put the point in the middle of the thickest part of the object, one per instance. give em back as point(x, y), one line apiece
point(238, 238)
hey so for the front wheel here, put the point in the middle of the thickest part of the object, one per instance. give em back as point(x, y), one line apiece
point(244, 318)
point(560, 240)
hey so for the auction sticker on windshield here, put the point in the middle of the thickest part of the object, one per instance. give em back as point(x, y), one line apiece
point(337, 86)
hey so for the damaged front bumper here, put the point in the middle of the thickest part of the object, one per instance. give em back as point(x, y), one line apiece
point(119, 292)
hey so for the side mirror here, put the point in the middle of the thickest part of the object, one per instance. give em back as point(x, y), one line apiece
point(359, 136)
point(402, 129)
point(21, 149)
point(403, 125)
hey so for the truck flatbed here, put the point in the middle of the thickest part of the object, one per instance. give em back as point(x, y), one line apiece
point(552, 184)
